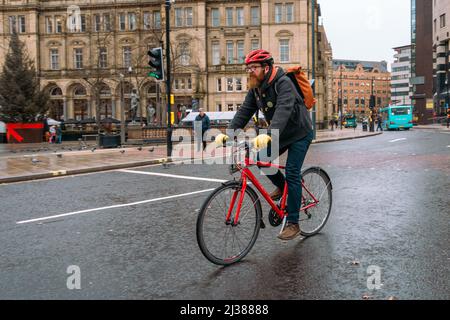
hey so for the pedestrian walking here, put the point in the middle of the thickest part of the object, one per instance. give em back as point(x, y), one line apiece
point(206, 124)
point(52, 137)
point(332, 124)
point(379, 121)
point(58, 134)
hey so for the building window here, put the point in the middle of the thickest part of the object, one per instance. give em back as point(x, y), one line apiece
point(255, 44)
point(12, 24)
point(178, 17)
point(126, 57)
point(131, 21)
point(278, 13)
point(157, 19)
point(219, 84)
point(255, 15)
point(97, 23)
point(58, 25)
point(189, 16)
point(107, 22)
point(49, 24)
point(122, 24)
point(284, 51)
point(218, 107)
point(289, 12)
point(22, 28)
point(215, 17)
point(103, 58)
point(240, 16)
point(215, 53)
point(238, 84)
point(78, 58)
point(147, 24)
point(229, 17)
point(230, 107)
point(240, 51)
point(175, 84)
point(230, 52)
point(189, 84)
point(229, 84)
point(184, 54)
point(83, 23)
point(442, 20)
point(54, 59)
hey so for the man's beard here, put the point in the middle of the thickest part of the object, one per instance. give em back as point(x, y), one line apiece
point(254, 82)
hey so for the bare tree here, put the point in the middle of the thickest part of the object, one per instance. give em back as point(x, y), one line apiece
point(97, 72)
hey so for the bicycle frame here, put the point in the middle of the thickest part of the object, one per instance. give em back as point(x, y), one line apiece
point(246, 175)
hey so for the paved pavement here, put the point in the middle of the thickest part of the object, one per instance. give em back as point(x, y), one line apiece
point(38, 161)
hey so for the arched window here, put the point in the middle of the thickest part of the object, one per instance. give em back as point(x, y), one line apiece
point(56, 91)
point(79, 91)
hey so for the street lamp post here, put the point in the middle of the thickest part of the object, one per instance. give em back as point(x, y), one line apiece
point(169, 124)
point(122, 112)
point(372, 108)
point(341, 97)
point(313, 18)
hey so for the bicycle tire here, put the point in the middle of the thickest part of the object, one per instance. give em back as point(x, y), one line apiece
point(210, 246)
point(309, 227)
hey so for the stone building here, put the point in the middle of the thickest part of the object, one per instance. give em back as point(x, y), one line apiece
point(355, 81)
point(89, 50)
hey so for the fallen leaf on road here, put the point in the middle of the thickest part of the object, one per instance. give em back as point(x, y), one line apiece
point(392, 298)
point(355, 263)
point(366, 297)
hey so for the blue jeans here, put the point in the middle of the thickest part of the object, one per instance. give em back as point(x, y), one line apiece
point(296, 156)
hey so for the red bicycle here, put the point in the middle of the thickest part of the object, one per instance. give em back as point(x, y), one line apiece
point(229, 220)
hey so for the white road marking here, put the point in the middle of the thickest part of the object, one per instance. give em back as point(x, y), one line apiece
point(171, 175)
point(114, 207)
point(402, 139)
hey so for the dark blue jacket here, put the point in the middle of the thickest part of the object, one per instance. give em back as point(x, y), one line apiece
point(205, 122)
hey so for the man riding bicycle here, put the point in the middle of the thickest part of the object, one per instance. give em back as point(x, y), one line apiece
point(272, 92)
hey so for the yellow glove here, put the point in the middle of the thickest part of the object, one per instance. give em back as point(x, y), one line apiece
point(261, 141)
point(221, 139)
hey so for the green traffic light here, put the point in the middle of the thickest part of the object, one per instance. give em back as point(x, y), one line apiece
point(154, 75)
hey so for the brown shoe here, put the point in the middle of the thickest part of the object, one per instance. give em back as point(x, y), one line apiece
point(290, 232)
point(276, 194)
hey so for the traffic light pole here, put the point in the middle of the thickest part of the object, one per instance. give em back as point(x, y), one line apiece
point(313, 20)
point(169, 118)
point(372, 108)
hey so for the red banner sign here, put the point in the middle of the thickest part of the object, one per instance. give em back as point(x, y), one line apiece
point(12, 127)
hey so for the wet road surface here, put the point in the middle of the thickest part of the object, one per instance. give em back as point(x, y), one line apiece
point(390, 214)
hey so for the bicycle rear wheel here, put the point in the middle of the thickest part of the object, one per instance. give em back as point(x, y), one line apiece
point(220, 241)
point(318, 183)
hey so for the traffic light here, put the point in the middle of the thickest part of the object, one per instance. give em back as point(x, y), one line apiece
point(156, 61)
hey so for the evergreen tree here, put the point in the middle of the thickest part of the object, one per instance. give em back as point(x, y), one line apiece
point(21, 99)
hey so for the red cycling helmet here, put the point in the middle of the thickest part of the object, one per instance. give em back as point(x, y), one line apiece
point(259, 56)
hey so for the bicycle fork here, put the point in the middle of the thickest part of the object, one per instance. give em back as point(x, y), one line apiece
point(228, 220)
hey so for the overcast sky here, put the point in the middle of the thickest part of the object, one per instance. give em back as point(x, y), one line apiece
point(366, 29)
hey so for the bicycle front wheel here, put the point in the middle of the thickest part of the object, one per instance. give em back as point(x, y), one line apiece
point(317, 191)
point(220, 241)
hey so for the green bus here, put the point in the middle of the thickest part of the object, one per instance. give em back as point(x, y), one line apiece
point(397, 117)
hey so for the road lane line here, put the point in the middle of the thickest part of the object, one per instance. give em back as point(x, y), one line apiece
point(402, 139)
point(114, 207)
point(171, 175)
